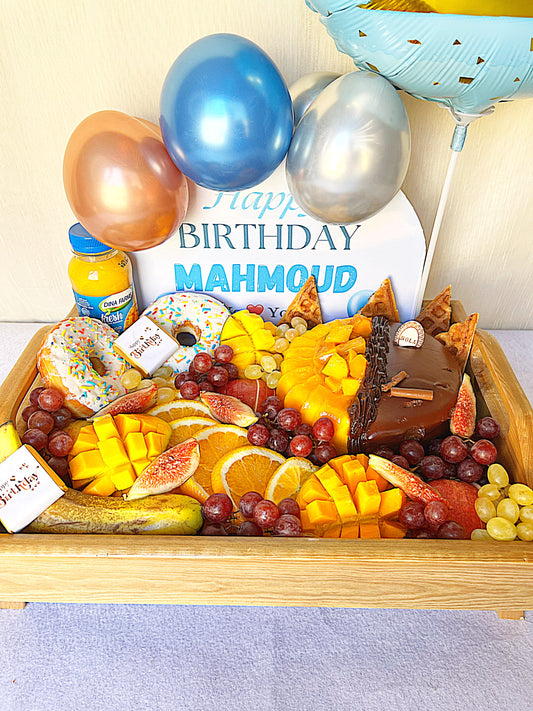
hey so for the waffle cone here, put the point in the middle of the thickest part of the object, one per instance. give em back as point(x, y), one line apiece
point(382, 303)
point(435, 318)
point(458, 340)
point(305, 304)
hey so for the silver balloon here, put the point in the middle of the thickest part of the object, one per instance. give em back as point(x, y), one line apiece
point(350, 151)
point(305, 90)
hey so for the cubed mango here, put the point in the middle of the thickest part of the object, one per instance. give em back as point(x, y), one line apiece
point(136, 446)
point(87, 465)
point(367, 498)
point(105, 428)
point(321, 512)
point(113, 452)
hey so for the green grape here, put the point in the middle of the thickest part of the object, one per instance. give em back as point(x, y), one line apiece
point(268, 363)
point(291, 334)
point(299, 321)
point(165, 371)
point(526, 514)
point(491, 491)
point(282, 329)
point(480, 534)
point(253, 372)
point(501, 529)
point(522, 494)
point(525, 531)
point(485, 509)
point(507, 508)
point(497, 475)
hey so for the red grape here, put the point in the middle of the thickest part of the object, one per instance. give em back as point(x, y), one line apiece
point(422, 533)
point(233, 372)
point(248, 503)
point(204, 386)
point(271, 406)
point(385, 452)
point(218, 508)
point(304, 429)
point(434, 447)
point(218, 375)
point(213, 529)
point(223, 354)
point(189, 390)
point(278, 440)
point(62, 417)
point(202, 362)
point(287, 525)
point(184, 377)
point(289, 419)
point(60, 466)
point(60, 445)
point(400, 461)
point(249, 528)
point(451, 529)
point(487, 428)
point(258, 434)
point(42, 420)
point(412, 450)
point(301, 446)
point(453, 449)
point(436, 512)
point(34, 396)
point(50, 399)
point(266, 513)
point(25, 414)
point(323, 429)
point(289, 506)
point(484, 452)
point(412, 515)
point(35, 438)
point(469, 470)
point(432, 467)
point(450, 470)
point(325, 452)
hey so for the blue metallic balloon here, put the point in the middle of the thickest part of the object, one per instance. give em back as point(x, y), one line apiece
point(464, 62)
point(226, 113)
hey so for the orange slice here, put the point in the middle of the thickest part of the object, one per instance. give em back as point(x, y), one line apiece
point(288, 478)
point(214, 443)
point(175, 409)
point(185, 427)
point(245, 469)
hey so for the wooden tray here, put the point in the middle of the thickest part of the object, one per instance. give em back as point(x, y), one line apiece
point(430, 574)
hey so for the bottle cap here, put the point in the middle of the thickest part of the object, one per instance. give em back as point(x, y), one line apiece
point(83, 242)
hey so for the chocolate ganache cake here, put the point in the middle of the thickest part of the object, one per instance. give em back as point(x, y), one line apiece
point(377, 418)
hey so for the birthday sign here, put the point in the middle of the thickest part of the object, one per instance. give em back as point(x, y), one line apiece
point(255, 249)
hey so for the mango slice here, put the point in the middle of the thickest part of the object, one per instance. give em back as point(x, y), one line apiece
point(111, 452)
point(345, 499)
point(249, 336)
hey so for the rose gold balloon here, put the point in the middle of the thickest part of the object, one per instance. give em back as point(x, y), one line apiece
point(121, 183)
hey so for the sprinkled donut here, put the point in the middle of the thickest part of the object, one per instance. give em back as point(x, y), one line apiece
point(77, 358)
point(191, 313)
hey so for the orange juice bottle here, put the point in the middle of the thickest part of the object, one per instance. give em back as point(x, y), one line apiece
point(102, 281)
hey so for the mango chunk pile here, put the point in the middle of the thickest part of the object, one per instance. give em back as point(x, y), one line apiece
point(109, 454)
point(348, 499)
point(250, 337)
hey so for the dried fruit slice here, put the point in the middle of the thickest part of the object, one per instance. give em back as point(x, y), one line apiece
point(410, 483)
point(229, 409)
point(214, 442)
point(288, 478)
point(463, 419)
point(180, 408)
point(245, 469)
point(169, 470)
point(186, 427)
point(382, 303)
point(134, 402)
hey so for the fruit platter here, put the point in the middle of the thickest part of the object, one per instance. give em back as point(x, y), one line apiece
point(346, 532)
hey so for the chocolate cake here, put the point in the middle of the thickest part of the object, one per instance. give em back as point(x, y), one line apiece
point(379, 419)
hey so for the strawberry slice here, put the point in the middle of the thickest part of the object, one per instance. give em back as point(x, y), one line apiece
point(408, 482)
point(166, 472)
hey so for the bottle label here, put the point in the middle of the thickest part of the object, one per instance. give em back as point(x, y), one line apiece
point(117, 310)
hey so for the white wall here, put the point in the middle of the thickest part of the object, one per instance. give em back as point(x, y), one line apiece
point(61, 60)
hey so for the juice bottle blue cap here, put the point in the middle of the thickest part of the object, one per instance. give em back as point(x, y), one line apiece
point(83, 242)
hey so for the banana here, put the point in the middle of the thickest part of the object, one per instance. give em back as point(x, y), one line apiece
point(9, 440)
point(76, 512)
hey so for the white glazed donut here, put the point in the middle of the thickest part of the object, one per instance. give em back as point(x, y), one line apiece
point(64, 362)
point(188, 312)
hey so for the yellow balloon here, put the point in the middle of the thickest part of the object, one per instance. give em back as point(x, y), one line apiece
point(488, 8)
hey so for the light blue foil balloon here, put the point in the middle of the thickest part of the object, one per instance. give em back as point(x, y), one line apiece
point(350, 151)
point(465, 62)
point(225, 114)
